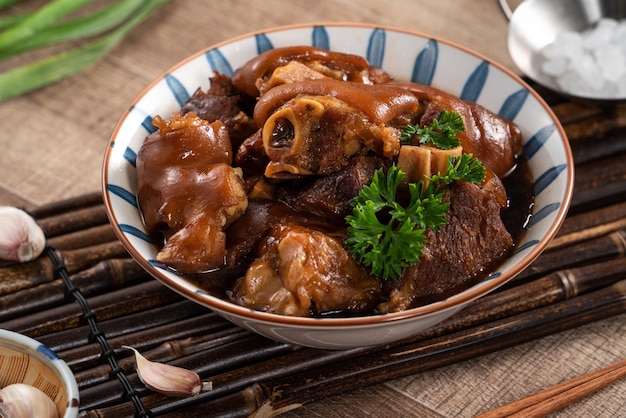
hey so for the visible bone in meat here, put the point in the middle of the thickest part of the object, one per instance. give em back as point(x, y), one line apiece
point(494, 140)
point(457, 255)
point(304, 272)
point(318, 134)
point(188, 191)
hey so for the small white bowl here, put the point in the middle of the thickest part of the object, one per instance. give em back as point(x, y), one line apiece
point(24, 360)
point(405, 55)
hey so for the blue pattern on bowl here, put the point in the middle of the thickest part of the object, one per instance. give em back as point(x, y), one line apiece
point(137, 232)
point(426, 64)
point(475, 83)
point(542, 213)
point(47, 352)
point(538, 140)
point(263, 43)
point(131, 156)
point(547, 178)
point(177, 89)
point(123, 193)
point(525, 246)
point(513, 104)
point(376, 48)
point(218, 62)
point(319, 38)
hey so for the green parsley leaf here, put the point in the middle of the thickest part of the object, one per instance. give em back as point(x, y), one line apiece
point(440, 133)
point(386, 236)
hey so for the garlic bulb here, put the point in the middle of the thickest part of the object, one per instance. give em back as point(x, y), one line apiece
point(24, 401)
point(21, 239)
point(167, 379)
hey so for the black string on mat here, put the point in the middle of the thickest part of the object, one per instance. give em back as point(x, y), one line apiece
point(95, 334)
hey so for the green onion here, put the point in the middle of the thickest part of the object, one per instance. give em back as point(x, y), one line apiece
point(8, 21)
point(48, 70)
point(7, 3)
point(91, 25)
point(38, 20)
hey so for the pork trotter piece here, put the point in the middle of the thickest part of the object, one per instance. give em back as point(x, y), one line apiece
point(188, 192)
point(304, 272)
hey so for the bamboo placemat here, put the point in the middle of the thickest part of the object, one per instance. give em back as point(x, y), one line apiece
point(85, 298)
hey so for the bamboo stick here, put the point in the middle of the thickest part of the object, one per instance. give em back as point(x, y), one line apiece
point(232, 355)
point(94, 235)
point(26, 275)
point(586, 151)
point(76, 220)
point(591, 128)
point(588, 225)
point(105, 276)
point(67, 205)
point(606, 247)
point(524, 298)
point(600, 183)
point(110, 305)
point(123, 325)
point(297, 387)
point(572, 112)
point(166, 352)
point(86, 356)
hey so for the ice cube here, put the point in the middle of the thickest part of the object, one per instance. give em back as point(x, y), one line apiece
point(555, 66)
point(619, 36)
point(566, 44)
point(587, 69)
point(572, 83)
point(611, 61)
point(601, 34)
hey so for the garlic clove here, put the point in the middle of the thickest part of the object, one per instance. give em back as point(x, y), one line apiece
point(19, 400)
point(167, 379)
point(21, 238)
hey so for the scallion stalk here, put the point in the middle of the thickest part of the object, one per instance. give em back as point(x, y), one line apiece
point(48, 70)
point(7, 3)
point(42, 18)
point(83, 27)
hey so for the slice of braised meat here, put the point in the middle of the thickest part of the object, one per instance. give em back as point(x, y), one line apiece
point(331, 196)
point(304, 272)
point(245, 233)
point(462, 252)
point(222, 102)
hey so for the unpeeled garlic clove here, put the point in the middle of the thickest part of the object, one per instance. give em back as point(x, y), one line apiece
point(167, 379)
point(21, 239)
point(19, 400)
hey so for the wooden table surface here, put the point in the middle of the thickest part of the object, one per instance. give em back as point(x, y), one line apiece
point(52, 143)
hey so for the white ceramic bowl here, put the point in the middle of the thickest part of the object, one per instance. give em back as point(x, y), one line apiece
point(407, 56)
point(24, 360)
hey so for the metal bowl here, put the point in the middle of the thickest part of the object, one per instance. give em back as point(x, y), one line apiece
point(534, 24)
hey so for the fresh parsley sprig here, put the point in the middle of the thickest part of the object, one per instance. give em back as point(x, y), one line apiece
point(440, 133)
point(386, 236)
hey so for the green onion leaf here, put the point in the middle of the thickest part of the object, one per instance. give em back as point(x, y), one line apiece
point(48, 70)
point(91, 25)
point(38, 20)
